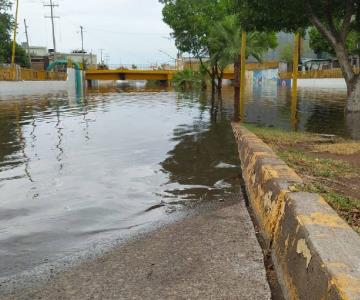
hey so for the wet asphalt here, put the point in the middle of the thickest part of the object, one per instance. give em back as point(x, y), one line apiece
point(212, 254)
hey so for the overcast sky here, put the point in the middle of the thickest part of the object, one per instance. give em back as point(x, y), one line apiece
point(129, 31)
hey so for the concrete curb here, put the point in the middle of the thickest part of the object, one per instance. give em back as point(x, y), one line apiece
point(316, 253)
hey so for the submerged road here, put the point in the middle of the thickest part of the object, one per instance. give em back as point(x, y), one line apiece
point(213, 254)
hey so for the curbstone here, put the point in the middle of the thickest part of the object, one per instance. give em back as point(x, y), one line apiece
point(316, 253)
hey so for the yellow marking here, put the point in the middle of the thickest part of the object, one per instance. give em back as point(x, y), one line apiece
point(303, 249)
point(287, 243)
point(323, 235)
point(322, 202)
point(347, 286)
point(337, 265)
point(325, 220)
point(267, 200)
point(269, 173)
point(260, 154)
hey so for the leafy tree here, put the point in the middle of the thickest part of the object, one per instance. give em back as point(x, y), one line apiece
point(286, 53)
point(320, 45)
point(334, 19)
point(192, 22)
point(6, 26)
point(188, 79)
point(21, 57)
point(225, 42)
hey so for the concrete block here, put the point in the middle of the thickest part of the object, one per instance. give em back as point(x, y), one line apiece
point(316, 253)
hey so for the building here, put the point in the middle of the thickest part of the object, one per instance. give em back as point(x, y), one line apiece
point(77, 56)
point(39, 56)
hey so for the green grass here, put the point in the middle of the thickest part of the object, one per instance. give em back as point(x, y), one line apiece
point(325, 176)
point(319, 167)
point(342, 202)
point(275, 135)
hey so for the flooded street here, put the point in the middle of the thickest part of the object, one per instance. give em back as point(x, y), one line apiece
point(77, 175)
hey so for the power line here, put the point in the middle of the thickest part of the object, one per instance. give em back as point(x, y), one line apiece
point(52, 17)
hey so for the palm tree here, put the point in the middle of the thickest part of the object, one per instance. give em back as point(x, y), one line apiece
point(225, 46)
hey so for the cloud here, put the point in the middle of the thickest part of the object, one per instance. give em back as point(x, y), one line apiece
point(129, 31)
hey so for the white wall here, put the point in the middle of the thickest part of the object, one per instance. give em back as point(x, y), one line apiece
point(336, 83)
point(18, 88)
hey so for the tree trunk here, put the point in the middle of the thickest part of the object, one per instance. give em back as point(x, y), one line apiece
point(237, 63)
point(203, 85)
point(353, 102)
point(352, 80)
point(220, 81)
point(338, 41)
point(353, 124)
point(213, 110)
point(213, 80)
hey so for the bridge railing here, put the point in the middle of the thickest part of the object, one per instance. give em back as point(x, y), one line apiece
point(146, 67)
point(255, 66)
point(21, 74)
point(329, 73)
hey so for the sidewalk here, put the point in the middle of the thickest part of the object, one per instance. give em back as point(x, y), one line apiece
point(211, 255)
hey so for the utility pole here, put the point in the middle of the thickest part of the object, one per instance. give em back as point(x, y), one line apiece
point(27, 42)
point(83, 55)
point(82, 46)
point(52, 17)
point(101, 55)
point(15, 30)
point(107, 58)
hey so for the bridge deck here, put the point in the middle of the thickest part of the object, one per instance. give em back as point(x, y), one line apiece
point(124, 74)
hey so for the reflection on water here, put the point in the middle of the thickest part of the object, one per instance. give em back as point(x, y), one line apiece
point(74, 172)
point(318, 110)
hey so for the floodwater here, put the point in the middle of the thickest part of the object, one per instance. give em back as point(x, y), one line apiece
point(79, 173)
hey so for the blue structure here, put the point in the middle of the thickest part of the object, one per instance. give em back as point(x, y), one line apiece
point(78, 81)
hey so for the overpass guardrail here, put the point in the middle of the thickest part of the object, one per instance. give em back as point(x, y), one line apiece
point(316, 74)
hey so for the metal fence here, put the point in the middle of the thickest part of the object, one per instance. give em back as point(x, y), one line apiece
point(256, 66)
point(19, 74)
point(145, 67)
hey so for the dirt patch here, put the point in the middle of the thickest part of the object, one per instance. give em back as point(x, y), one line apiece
point(352, 159)
point(329, 165)
point(339, 148)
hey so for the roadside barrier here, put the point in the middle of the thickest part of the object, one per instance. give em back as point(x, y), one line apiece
point(20, 74)
point(315, 252)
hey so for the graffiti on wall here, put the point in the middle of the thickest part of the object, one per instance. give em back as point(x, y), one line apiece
point(263, 77)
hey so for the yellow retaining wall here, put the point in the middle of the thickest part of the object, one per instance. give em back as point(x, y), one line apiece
point(330, 73)
point(11, 74)
point(316, 253)
point(230, 69)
